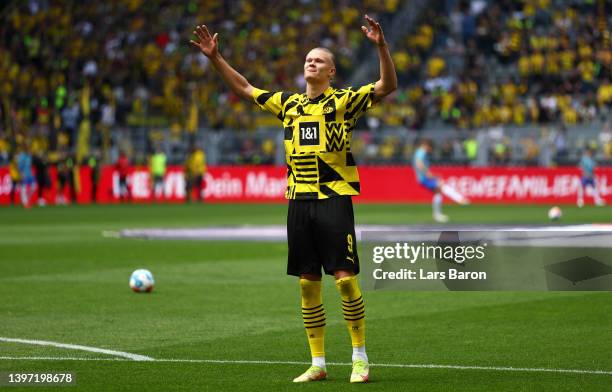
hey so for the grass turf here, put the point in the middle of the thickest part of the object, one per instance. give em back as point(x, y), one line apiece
point(61, 280)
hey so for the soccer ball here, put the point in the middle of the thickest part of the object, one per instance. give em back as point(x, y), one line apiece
point(142, 281)
point(555, 213)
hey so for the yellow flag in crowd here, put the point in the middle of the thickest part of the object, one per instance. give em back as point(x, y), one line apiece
point(192, 119)
point(83, 138)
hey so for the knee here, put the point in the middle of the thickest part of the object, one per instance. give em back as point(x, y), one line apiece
point(309, 288)
point(347, 286)
point(339, 274)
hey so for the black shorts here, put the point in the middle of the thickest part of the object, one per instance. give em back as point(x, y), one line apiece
point(158, 179)
point(321, 233)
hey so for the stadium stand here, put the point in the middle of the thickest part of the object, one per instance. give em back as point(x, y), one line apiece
point(527, 82)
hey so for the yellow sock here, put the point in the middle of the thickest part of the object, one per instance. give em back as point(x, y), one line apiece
point(353, 309)
point(313, 315)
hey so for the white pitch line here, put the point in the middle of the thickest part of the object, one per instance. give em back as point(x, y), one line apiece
point(111, 234)
point(134, 357)
point(394, 365)
point(87, 359)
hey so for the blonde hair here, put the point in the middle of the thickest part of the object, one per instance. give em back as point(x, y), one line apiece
point(329, 52)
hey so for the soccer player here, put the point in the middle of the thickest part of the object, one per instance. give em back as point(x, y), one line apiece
point(27, 181)
point(94, 174)
point(43, 183)
point(587, 167)
point(15, 177)
point(321, 178)
point(65, 176)
point(123, 168)
point(195, 168)
point(157, 166)
point(426, 179)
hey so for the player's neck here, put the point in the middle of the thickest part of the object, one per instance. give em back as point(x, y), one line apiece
point(313, 90)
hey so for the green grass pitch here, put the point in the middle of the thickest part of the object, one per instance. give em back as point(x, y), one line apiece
point(62, 281)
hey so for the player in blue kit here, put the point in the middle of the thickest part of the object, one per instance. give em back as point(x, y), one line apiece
point(420, 163)
point(26, 175)
point(587, 182)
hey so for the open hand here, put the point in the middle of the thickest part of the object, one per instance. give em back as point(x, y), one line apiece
point(205, 42)
point(375, 33)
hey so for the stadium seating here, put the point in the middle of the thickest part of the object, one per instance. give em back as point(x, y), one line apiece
point(126, 66)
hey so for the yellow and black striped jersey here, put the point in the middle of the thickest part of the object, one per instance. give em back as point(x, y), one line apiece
point(318, 136)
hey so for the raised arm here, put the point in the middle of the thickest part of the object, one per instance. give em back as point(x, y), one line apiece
point(388, 78)
point(208, 45)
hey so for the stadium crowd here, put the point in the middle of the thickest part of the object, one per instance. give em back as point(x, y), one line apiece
point(126, 63)
point(134, 58)
point(505, 62)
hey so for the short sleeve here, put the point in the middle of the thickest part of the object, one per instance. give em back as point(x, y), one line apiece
point(358, 101)
point(272, 102)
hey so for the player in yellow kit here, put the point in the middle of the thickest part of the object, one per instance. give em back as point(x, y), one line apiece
point(321, 178)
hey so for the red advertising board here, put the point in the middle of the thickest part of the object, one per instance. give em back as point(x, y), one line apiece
point(378, 184)
point(482, 185)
